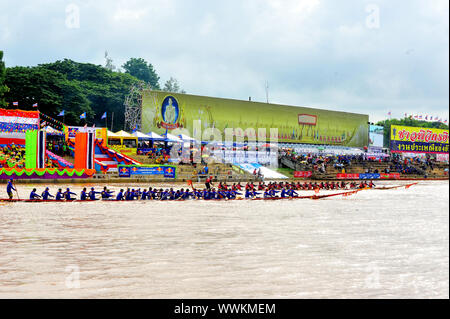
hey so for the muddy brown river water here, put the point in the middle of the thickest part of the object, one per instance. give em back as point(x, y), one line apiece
point(376, 244)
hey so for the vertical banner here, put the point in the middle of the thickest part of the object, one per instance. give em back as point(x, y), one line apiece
point(80, 150)
point(41, 146)
point(84, 150)
point(102, 134)
point(90, 150)
point(30, 148)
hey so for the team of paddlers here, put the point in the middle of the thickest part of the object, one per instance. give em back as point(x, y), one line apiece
point(223, 191)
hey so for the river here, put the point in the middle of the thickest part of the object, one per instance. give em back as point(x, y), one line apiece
point(375, 244)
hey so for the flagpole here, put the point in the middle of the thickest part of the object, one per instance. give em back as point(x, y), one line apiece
point(112, 121)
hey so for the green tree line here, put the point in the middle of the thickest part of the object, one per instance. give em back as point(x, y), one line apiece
point(76, 88)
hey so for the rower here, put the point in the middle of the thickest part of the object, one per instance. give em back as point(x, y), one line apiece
point(267, 194)
point(10, 188)
point(205, 194)
point(292, 193)
point(67, 194)
point(213, 194)
point(129, 195)
point(34, 195)
point(132, 194)
point(120, 195)
point(59, 195)
point(171, 194)
point(186, 194)
point(92, 194)
point(153, 193)
point(46, 194)
point(137, 194)
point(208, 182)
point(106, 193)
point(126, 195)
point(83, 194)
point(144, 195)
point(273, 193)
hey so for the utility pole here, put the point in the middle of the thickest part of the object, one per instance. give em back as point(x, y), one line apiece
point(112, 121)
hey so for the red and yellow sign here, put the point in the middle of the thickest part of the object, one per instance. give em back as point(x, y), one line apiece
point(406, 139)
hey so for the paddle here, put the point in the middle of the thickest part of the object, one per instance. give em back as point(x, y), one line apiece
point(190, 184)
point(17, 193)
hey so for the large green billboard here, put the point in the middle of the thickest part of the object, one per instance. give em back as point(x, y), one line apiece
point(163, 111)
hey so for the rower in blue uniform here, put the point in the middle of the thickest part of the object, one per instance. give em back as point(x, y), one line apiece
point(34, 195)
point(248, 193)
point(10, 188)
point(83, 194)
point(46, 194)
point(120, 195)
point(92, 194)
point(137, 194)
point(106, 193)
point(186, 195)
point(67, 194)
point(292, 193)
point(144, 195)
point(59, 195)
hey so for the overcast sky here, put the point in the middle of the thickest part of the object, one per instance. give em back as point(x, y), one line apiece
point(361, 56)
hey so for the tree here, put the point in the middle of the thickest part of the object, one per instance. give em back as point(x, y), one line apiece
point(109, 62)
point(3, 88)
point(406, 122)
point(142, 70)
point(73, 87)
point(172, 85)
point(50, 89)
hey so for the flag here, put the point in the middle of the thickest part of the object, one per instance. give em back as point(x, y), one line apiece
point(61, 113)
point(83, 116)
point(104, 116)
point(445, 121)
point(85, 125)
point(15, 103)
point(420, 117)
point(35, 105)
point(389, 113)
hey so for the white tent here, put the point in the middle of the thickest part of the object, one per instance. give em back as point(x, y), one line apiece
point(111, 134)
point(141, 135)
point(186, 138)
point(124, 134)
point(155, 136)
point(173, 138)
